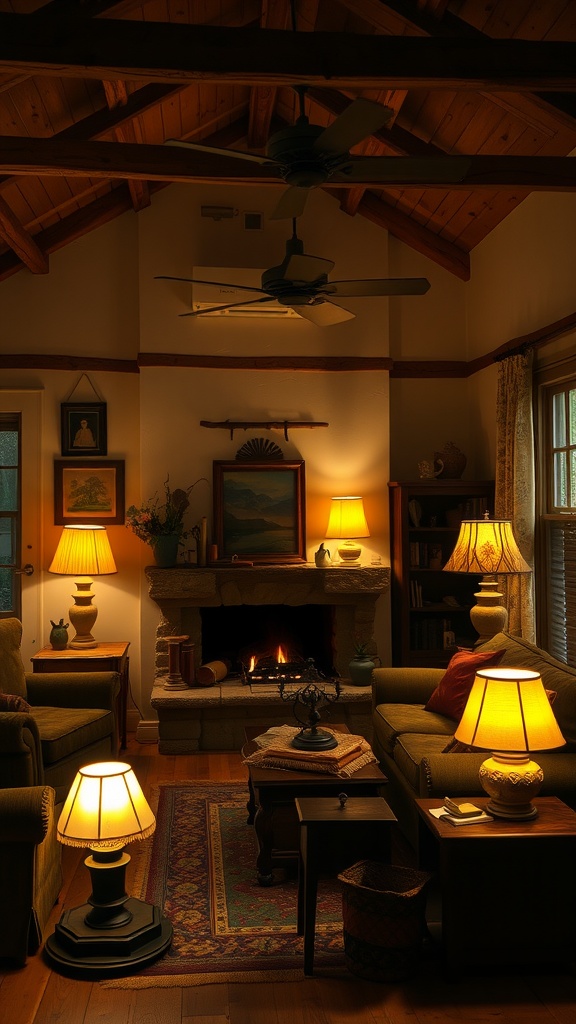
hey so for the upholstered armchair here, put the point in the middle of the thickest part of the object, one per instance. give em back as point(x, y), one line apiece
point(30, 869)
point(60, 721)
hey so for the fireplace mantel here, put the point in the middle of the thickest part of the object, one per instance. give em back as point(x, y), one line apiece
point(352, 592)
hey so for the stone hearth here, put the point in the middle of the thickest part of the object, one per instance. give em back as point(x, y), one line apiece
point(214, 717)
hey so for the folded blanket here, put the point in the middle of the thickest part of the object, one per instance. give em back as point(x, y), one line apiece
point(275, 751)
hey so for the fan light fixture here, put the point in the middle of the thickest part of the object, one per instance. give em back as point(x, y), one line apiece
point(83, 551)
point(111, 933)
point(347, 522)
point(487, 546)
point(508, 712)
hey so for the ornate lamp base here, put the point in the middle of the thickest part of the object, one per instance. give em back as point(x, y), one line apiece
point(511, 781)
point(314, 739)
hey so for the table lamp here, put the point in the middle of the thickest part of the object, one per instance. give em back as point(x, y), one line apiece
point(83, 551)
point(347, 522)
point(111, 933)
point(487, 546)
point(508, 711)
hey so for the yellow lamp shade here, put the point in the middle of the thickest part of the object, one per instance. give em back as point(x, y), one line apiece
point(105, 808)
point(83, 551)
point(508, 709)
point(486, 546)
point(347, 518)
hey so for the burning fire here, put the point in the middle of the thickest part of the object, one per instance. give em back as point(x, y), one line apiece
point(252, 663)
point(281, 657)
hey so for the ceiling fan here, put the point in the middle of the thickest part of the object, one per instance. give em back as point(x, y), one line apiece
point(301, 282)
point(306, 156)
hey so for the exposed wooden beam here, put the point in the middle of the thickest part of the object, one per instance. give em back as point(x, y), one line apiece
point(117, 96)
point(263, 98)
point(25, 247)
point(313, 364)
point(24, 156)
point(420, 238)
point(135, 50)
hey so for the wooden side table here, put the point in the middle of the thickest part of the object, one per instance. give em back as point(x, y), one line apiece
point(361, 826)
point(508, 889)
point(106, 657)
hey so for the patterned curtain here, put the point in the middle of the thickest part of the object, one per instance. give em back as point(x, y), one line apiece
point(515, 484)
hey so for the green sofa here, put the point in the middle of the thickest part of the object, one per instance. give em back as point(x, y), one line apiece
point(30, 869)
point(72, 719)
point(410, 742)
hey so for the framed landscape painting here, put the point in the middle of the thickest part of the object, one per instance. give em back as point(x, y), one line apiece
point(88, 491)
point(259, 511)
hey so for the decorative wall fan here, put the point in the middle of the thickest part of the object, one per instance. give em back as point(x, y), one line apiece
point(301, 282)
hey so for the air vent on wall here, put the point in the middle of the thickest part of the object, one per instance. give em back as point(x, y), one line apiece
point(206, 295)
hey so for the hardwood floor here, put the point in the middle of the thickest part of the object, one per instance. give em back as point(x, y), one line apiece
point(36, 995)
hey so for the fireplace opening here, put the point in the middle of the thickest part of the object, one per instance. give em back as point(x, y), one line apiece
point(239, 632)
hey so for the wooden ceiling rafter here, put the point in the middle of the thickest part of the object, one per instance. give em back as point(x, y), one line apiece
point(159, 51)
point(117, 96)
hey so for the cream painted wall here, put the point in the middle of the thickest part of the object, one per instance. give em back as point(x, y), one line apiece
point(101, 299)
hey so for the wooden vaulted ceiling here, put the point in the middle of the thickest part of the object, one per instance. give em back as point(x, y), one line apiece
point(90, 90)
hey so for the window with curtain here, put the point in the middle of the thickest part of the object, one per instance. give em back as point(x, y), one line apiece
point(557, 541)
point(9, 514)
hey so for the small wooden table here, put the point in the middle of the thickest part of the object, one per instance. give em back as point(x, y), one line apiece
point(508, 888)
point(271, 808)
point(106, 657)
point(359, 829)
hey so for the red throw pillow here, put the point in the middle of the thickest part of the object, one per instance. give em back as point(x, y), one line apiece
point(450, 696)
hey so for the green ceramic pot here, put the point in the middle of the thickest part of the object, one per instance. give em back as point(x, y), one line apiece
point(165, 549)
point(360, 670)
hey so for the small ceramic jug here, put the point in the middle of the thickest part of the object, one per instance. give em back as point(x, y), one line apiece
point(59, 635)
point(426, 468)
point(322, 557)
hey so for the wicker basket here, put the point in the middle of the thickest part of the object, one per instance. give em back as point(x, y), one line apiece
point(383, 909)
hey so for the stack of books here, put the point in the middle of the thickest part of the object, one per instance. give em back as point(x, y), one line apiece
point(460, 812)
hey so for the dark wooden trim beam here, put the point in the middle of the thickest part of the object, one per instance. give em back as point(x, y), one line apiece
point(46, 362)
point(311, 364)
point(21, 155)
point(154, 51)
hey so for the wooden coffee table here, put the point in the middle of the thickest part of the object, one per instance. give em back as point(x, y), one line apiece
point(508, 888)
point(271, 807)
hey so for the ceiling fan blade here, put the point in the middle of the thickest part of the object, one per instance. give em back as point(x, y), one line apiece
point(324, 314)
point(217, 284)
point(360, 119)
point(291, 204)
point(377, 286)
point(228, 305)
point(307, 268)
point(253, 157)
point(405, 170)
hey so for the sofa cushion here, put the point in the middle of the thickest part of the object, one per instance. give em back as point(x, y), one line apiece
point(450, 696)
point(12, 702)
point(393, 720)
point(63, 731)
point(556, 675)
point(409, 751)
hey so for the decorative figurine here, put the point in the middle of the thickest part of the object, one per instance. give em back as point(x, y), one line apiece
point(322, 557)
point(59, 635)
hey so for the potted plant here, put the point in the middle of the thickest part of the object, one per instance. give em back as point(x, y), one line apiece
point(362, 665)
point(161, 524)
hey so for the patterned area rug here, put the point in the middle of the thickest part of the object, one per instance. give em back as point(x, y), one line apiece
point(200, 869)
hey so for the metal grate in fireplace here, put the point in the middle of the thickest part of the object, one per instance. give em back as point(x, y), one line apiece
point(241, 633)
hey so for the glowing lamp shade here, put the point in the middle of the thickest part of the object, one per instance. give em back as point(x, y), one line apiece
point(347, 522)
point(508, 712)
point(487, 547)
point(83, 551)
point(111, 933)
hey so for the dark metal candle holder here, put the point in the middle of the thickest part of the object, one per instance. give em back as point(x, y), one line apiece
point(308, 697)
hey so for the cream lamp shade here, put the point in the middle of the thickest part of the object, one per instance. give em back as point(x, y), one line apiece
point(487, 547)
point(112, 933)
point(347, 522)
point(83, 551)
point(105, 808)
point(508, 711)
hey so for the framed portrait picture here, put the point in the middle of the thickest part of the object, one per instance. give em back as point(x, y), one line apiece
point(88, 492)
point(83, 426)
point(259, 511)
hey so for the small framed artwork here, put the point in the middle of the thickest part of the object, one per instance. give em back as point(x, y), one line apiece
point(83, 426)
point(88, 492)
point(259, 511)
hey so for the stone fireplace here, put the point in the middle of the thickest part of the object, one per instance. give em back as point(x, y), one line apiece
point(337, 604)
